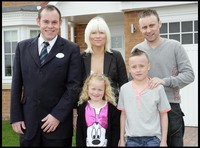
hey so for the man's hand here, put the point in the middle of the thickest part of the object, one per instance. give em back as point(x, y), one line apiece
point(50, 123)
point(18, 127)
point(154, 82)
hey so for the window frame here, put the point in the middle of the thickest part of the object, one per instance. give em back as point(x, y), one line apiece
point(181, 33)
point(7, 79)
point(23, 32)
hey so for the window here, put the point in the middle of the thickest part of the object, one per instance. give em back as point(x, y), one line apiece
point(10, 43)
point(116, 42)
point(34, 33)
point(185, 32)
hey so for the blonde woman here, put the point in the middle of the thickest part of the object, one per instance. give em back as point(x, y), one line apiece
point(98, 122)
point(98, 57)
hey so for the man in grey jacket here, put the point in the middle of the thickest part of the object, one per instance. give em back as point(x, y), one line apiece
point(170, 66)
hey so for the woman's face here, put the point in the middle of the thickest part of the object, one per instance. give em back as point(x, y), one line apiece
point(98, 39)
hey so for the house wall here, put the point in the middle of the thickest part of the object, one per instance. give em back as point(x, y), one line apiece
point(79, 36)
point(17, 3)
point(190, 108)
point(21, 3)
point(131, 39)
point(5, 104)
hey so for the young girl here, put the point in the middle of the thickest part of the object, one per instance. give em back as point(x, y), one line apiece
point(144, 120)
point(98, 122)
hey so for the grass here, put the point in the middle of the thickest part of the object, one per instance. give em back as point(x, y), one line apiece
point(10, 138)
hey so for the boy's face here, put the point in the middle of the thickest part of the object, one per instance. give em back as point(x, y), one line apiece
point(138, 67)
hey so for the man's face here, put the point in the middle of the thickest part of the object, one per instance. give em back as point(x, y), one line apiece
point(49, 24)
point(150, 27)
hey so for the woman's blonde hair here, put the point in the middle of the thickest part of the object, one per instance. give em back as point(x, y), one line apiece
point(108, 94)
point(97, 24)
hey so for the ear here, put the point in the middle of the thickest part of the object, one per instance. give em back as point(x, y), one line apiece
point(160, 24)
point(38, 21)
point(149, 66)
point(60, 23)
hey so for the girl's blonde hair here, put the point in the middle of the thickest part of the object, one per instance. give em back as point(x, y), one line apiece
point(108, 94)
point(97, 24)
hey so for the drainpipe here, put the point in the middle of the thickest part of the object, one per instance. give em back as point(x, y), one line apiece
point(72, 31)
point(64, 28)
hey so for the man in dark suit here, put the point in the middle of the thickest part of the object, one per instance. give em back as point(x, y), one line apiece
point(43, 94)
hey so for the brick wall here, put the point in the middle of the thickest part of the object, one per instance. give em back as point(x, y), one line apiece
point(21, 3)
point(79, 36)
point(131, 39)
point(5, 104)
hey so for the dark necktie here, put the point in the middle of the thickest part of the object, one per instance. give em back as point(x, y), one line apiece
point(44, 52)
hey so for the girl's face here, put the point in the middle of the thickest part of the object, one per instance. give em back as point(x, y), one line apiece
point(96, 89)
point(138, 67)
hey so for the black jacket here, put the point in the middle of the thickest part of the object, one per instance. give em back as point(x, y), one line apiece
point(51, 88)
point(114, 68)
point(112, 132)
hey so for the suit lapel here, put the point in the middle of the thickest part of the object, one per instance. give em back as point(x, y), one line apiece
point(87, 63)
point(57, 47)
point(33, 49)
point(107, 61)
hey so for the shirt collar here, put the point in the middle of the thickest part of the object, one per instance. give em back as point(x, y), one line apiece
point(51, 42)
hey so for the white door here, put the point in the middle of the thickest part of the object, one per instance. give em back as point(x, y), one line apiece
point(181, 23)
point(189, 94)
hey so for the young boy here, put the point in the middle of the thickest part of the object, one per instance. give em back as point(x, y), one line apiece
point(144, 120)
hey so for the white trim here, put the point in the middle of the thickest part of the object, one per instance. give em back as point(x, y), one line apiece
point(130, 6)
point(178, 13)
point(53, 3)
point(29, 29)
point(69, 9)
point(19, 18)
point(64, 28)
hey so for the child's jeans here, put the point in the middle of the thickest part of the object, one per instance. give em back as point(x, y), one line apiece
point(144, 141)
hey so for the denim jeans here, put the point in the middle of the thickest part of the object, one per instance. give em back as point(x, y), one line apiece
point(143, 141)
point(176, 126)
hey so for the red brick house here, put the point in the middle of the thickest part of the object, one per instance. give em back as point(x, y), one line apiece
point(18, 23)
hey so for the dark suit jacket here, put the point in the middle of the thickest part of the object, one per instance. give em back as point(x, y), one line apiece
point(114, 68)
point(112, 132)
point(53, 87)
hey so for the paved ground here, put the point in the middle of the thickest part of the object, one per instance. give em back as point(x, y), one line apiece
point(191, 136)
